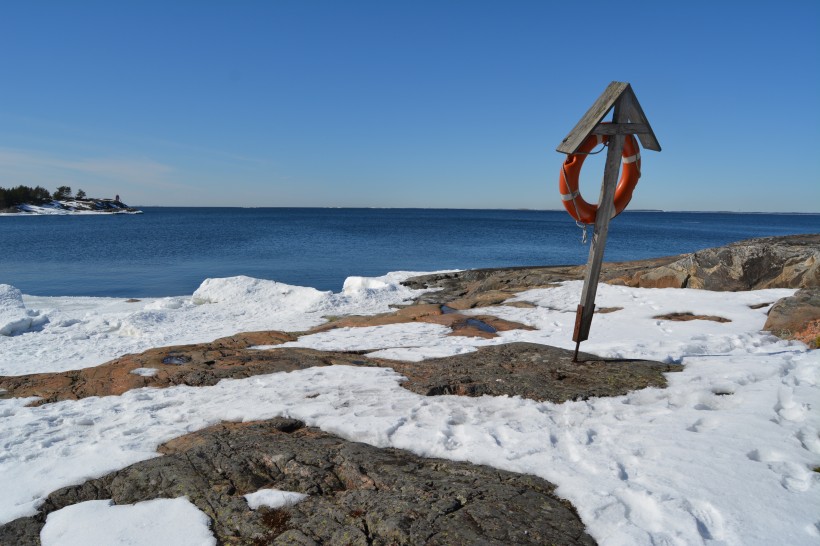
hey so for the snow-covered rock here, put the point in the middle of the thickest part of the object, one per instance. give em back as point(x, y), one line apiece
point(76, 206)
point(15, 319)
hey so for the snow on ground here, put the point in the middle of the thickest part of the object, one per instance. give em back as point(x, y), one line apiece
point(14, 317)
point(631, 333)
point(159, 521)
point(273, 498)
point(51, 334)
point(724, 455)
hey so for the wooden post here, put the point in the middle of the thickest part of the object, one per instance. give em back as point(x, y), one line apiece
point(606, 206)
point(627, 118)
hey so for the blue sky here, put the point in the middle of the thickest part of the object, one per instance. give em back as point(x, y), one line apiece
point(406, 104)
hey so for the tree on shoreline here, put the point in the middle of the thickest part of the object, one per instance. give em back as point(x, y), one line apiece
point(63, 192)
point(21, 195)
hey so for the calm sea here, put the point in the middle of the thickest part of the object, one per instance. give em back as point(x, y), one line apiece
point(170, 251)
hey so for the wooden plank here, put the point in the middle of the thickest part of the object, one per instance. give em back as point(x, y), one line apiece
point(620, 129)
point(606, 208)
point(593, 117)
point(635, 114)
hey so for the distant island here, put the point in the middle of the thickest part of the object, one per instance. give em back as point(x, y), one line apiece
point(38, 200)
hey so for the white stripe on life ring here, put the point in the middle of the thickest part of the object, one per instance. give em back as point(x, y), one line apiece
point(632, 158)
point(570, 196)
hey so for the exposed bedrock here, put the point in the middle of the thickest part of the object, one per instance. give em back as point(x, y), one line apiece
point(534, 371)
point(196, 365)
point(358, 494)
point(797, 317)
point(539, 372)
point(754, 264)
point(772, 262)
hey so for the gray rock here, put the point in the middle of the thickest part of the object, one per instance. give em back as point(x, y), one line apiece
point(754, 264)
point(534, 371)
point(539, 372)
point(772, 262)
point(358, 494)
point(475, 283)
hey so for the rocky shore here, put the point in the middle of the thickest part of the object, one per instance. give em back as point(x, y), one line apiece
point(359, 494)
point(73, 206)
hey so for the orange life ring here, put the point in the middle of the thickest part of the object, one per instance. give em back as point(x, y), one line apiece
point(571, 170)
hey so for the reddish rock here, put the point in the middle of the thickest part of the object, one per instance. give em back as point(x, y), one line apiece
point(682, 317)
point(797, 317)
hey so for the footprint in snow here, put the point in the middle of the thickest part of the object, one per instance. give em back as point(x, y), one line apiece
point(786, 407)
point(810, 439)
point(704, 424)
point(793, 476)
point(708, 519)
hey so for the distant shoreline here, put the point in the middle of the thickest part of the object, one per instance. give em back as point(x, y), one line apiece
point(463, 209)
point(68, 207)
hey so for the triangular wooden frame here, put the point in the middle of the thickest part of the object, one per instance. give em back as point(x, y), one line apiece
point(628, 119)
point(636, 122)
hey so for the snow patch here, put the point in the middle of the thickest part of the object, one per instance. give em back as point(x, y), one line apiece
point(159, 521)
point(15, 319)
point(69, 333)
point(144, 372)
point(273, 498)
point(244, 290)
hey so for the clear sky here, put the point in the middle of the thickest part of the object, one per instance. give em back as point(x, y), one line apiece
point(406, 104)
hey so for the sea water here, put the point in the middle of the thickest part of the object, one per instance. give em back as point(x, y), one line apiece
point(170, 251)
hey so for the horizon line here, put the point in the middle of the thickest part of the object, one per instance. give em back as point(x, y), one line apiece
point(522, 209)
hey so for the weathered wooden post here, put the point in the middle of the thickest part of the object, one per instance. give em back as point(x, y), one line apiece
point(627, 119)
